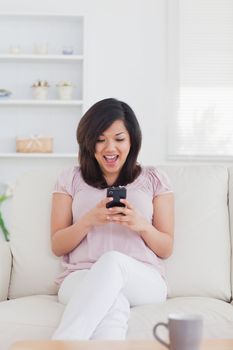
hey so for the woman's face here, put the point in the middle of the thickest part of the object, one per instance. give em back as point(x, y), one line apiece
point(112, 149)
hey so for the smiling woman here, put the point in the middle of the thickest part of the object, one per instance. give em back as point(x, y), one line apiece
point(109, 139)
point(112, 149)
point(111, 261)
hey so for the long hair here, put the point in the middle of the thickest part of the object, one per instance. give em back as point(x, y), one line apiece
point(94, 122)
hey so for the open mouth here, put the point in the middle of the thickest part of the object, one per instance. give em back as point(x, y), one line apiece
point(111, 159)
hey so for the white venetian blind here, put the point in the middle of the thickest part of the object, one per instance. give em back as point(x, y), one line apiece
point(201, 78)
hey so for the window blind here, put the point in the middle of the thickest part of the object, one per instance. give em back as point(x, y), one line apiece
point(200, 78)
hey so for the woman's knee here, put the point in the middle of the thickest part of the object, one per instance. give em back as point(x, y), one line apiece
point(113, 257)
point(114, 262)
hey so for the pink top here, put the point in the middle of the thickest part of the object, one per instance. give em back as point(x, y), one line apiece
point(111, 236)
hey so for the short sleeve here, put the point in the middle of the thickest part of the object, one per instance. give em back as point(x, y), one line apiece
point(160, 182)
point(64, 183)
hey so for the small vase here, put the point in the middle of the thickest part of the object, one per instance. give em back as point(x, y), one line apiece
point(40, 49)
point(14, 50)
point(40, 92)
point(65, 92)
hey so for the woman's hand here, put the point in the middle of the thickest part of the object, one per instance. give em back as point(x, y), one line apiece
point(99, 215)
point(128, 216)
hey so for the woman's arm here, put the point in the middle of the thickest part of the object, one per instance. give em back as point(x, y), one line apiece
point(158, 235)
point(65, 236)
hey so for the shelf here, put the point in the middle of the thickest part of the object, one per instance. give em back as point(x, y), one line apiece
point(47, 103)
point(42, 15)
point(40, 58)
point(38, 155)
point(51, 116)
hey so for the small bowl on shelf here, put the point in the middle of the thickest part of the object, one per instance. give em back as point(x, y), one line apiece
point(67, 50)
point(4, 94)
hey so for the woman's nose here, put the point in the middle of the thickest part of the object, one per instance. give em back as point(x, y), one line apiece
point(110, 145)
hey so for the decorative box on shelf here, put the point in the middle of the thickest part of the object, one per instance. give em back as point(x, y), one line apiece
point(34, 144)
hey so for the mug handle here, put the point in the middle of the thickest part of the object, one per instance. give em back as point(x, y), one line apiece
point(156, 335)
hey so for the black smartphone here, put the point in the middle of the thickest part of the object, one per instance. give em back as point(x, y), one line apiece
point(117, 193)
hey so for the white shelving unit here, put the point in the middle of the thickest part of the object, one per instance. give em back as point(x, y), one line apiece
point(47, 103)
point(21, 115)
point(40, 58)
point(38, 155)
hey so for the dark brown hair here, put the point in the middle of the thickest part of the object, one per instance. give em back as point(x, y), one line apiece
point(94, 122)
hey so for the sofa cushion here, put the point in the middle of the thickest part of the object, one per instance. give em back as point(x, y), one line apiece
point(36, 317)
point(218, 317)
point(33, 317)
point(200, 264)
point(34, 265)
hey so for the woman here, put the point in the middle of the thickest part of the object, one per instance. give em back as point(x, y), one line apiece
point(112, 256)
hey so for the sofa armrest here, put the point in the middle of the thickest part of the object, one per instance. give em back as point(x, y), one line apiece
point(5, 269)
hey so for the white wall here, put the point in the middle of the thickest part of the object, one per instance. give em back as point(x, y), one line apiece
point(125, 57)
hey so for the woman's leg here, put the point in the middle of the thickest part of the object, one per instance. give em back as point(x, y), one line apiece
point(114, 325)
point(97, 301)
point(91, 300)
point(70, 283)
point(144, 286)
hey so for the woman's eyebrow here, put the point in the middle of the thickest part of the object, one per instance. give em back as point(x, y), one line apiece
point(119, 133)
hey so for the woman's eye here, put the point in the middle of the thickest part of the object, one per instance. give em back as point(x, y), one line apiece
point(100, 140)
point(120, 139)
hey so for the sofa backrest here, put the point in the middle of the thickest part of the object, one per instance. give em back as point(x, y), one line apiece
point(230, 171)
point(199, 266)
point(34, 265)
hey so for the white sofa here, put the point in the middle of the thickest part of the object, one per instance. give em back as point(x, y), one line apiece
point(199, 271)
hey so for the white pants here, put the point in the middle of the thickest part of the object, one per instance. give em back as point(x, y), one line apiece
point(98, 300)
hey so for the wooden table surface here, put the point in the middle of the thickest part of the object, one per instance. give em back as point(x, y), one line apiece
point(213, 344)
